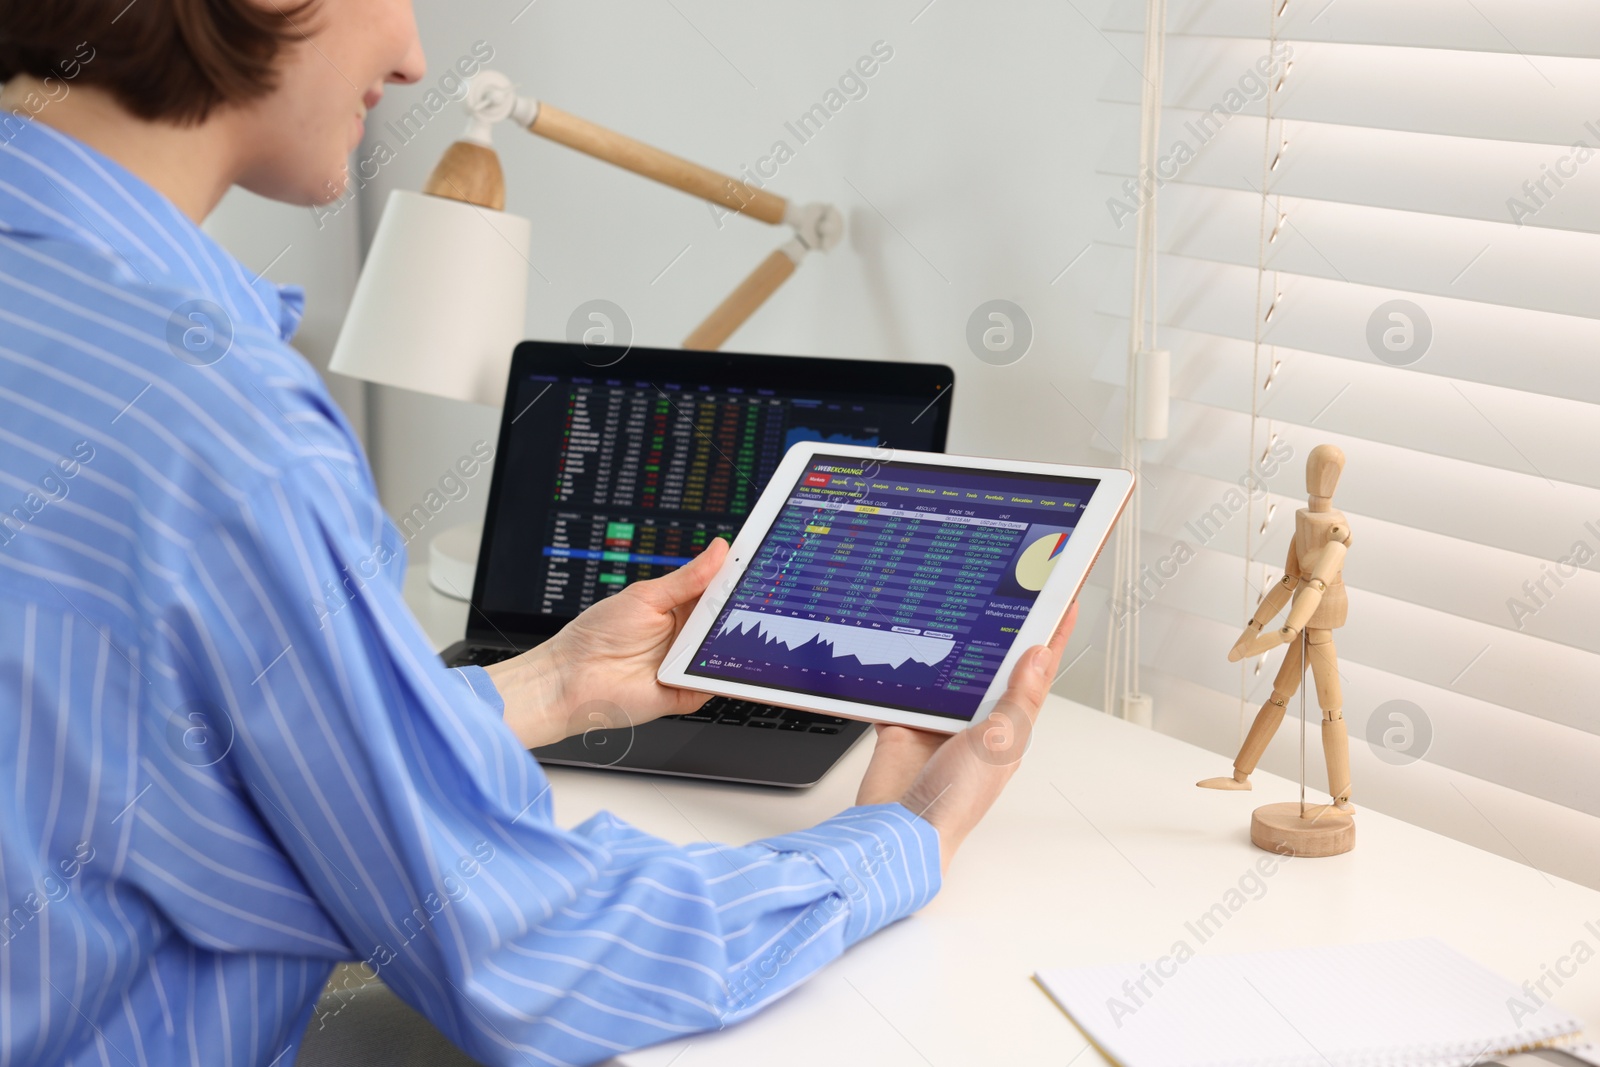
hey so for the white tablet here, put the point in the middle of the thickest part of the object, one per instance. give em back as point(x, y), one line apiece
point(895, 587)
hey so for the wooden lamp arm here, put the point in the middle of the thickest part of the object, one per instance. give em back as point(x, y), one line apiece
point(743, 302)
point(649, 162)
point(469, 171)
point(463, 172)
point(817, 227)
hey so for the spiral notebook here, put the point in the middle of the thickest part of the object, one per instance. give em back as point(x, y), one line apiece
point(1380, 1005)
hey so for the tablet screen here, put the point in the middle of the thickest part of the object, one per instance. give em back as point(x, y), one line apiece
point(896, 584)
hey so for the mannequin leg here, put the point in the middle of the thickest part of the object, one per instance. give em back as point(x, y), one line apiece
point(1330, 695)
point(1284, 686)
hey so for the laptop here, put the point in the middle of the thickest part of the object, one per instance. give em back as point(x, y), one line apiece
point(614, 468)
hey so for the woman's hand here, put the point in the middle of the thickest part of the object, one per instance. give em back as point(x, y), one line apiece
point(952, 781)
point(599, 672)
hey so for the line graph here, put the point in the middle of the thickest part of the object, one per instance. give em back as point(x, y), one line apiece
point(822, 644)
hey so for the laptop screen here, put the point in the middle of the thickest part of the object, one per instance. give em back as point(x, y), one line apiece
point(608, 475)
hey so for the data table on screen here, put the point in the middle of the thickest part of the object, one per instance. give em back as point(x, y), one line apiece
point(879, 585)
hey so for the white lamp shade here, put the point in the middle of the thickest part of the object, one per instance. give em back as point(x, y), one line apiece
point(441, 300)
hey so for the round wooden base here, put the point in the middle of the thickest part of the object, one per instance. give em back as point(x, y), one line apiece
point(1279, 828)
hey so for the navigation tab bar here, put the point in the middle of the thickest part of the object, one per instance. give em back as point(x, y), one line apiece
point(868, 509)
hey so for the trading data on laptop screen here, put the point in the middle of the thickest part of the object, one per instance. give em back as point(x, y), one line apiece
point(902, 584)
point(619, 479)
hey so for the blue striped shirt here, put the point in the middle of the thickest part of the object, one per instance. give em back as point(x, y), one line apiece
point(229, 757)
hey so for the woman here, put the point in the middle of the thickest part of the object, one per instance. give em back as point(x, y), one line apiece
point(216, 788)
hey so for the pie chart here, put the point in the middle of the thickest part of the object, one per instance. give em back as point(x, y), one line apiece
point(1037, 560)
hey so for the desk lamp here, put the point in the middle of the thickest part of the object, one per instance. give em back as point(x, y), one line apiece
point(442, 296)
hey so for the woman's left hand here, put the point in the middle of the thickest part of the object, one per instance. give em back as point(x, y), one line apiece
point(599, 672)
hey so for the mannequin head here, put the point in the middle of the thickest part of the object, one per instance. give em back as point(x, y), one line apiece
point(1323, 468)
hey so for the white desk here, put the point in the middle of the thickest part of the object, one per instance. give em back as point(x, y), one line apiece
point(1100, 850)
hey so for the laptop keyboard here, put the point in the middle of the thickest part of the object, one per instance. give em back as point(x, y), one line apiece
point(728, 711)
point(480, 656)
point(724, 711)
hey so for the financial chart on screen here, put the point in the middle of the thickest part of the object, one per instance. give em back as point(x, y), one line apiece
point(629, 479)
point(901, 584)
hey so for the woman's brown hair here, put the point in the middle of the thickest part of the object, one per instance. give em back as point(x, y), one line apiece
point(172, 60)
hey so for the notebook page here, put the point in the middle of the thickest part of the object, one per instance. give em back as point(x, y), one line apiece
point(1378, 1005)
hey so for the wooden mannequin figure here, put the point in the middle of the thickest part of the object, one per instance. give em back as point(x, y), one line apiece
point(1312, 576)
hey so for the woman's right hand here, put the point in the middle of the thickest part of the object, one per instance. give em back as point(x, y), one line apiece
point(953, 781)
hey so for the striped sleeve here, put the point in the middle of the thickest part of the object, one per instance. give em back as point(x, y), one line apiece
point(425, 833)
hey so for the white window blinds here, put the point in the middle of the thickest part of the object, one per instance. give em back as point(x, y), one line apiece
point(1420, 286)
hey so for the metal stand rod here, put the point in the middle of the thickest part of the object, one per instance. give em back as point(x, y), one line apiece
point(1302, 722)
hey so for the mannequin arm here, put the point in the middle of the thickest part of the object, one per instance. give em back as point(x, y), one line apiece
point(1328, 565)
point(1271, 604)
point(1308, 598)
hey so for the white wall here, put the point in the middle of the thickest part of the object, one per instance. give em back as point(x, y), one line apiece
point(976, 142)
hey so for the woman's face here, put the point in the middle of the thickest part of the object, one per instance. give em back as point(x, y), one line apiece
point(298, 139)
